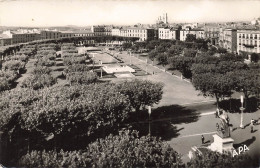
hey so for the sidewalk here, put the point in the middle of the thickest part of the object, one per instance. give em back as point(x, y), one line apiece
point(176, 91)
point(29, 67)
point(190, 133)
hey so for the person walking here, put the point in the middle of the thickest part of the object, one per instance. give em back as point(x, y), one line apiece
point(252, 125)
point(217, 113)
point(202, 139)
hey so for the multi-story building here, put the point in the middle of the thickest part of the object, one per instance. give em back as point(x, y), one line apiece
point(81, 33)
point(66, 34)
point(199, 33)
point(116, 31)
point(168, 33)
point(101, 30)
point(248, 41)
point(22, 36)
point(142, 33)
point(5, 40)
point(47, 34)
point(212, 33)
point(228, 39)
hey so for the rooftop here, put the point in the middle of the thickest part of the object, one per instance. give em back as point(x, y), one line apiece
point(4, 36)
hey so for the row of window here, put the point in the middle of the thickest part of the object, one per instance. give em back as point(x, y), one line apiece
point(136, 31)
point(251, 36)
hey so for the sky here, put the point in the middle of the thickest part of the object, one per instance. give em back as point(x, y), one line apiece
point(123, 12)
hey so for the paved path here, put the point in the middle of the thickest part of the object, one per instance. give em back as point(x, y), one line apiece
point(186, 133)
point(29, 67)
point(190, 133)
point(176, 90)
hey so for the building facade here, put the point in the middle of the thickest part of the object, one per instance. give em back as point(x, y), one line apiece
point(46, 34)
point(66, 34)
point(83, 33)
point(228, 39)
point(5, 40)
point(101, 30)
point(199, 33)
point(212, 34)
point(22, 36)
point(142, 33)
point(116, 32)
point(248, 41)
point(168, 33)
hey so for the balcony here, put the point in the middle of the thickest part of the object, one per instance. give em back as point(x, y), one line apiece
point(248, 45)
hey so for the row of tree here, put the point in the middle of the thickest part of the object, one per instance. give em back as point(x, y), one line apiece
point(128, 149)
point(13, 66)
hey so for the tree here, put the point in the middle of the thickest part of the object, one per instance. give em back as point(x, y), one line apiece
point(76, 68)
point(81, 77)
point(7, 78)
point(141, 93)
point(13, 65)
point(126, 45)
point(38, 81)
point(74, 60)
point(183, 64)
point(162, 58)
point(246, 81)
point(190, 52)
point(222, 50)
point(153, 54)
point(255, 57)
point(175, 50)
point(63, 110)
point(152, 44)
point(190, 38)
point(124, 150)
point(213, 84)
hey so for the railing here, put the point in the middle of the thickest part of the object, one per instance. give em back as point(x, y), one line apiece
point(248, 46)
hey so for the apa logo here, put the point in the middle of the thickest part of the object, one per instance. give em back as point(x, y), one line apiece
point(241, 149)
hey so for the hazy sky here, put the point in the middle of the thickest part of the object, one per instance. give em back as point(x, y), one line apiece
point(87, 12)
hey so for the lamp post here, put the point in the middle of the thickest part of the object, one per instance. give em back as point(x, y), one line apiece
point(130, 58)
point(146, 67)
point(101, 69)
point(242, 109)
point(149, 112)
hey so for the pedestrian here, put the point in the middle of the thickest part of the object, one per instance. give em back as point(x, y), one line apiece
point(217, 126)
point(252, 121)
point(228, 120)
point(202, 139)
point(252, 125)
point(217, 113)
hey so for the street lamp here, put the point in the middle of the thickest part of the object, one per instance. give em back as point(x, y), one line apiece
point(101, 68)
point(149, 112)
point(242, 109)
point(130, 58)
point(146, 67)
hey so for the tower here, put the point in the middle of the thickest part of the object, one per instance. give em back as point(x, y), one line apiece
point(165, 18)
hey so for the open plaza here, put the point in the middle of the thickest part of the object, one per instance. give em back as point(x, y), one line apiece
point(135, 84)
point(200, 118)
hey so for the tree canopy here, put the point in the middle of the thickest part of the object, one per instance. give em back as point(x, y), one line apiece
point(124, 150)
